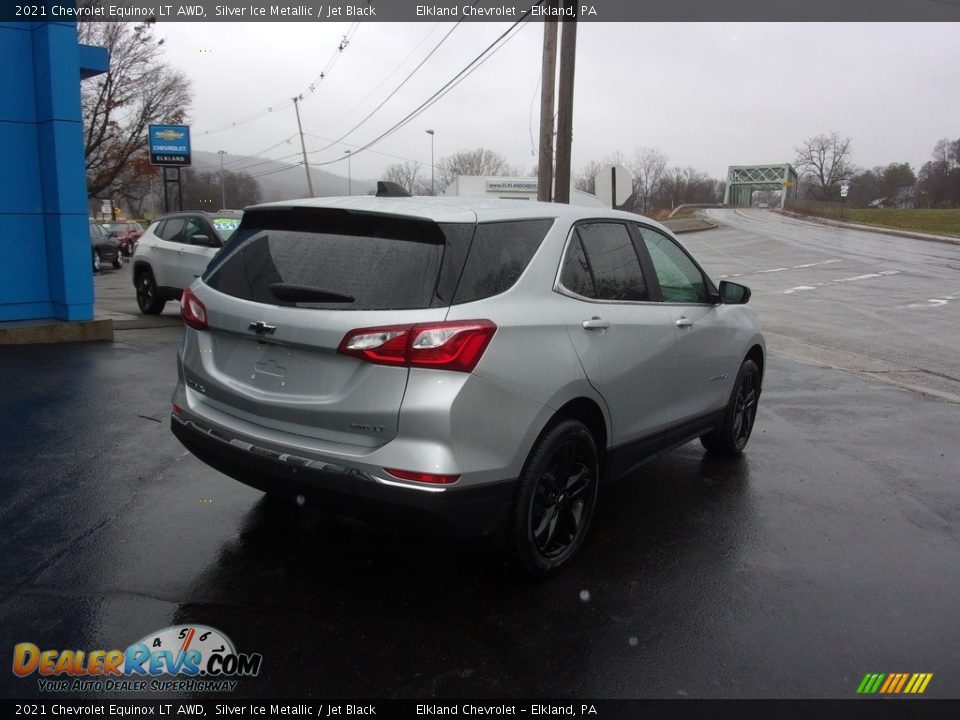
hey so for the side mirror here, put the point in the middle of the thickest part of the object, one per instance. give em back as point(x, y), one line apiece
point(732, 293)
point(204, 240)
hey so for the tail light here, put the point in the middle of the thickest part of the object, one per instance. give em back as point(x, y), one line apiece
point(193, 312)
point(456, 345)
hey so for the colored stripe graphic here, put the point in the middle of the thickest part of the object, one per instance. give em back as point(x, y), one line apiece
point(870, 683)
point(903, 680)
point(894, 683)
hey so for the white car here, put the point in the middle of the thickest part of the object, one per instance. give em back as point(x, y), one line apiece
point(174, 251)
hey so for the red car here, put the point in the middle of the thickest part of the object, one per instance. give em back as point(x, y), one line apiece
point(126, 232)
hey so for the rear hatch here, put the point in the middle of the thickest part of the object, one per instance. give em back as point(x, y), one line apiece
point(285, 291)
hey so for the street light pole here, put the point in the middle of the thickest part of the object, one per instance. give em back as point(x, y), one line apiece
point(433, 189)
point(223, 182)
point(349, 180)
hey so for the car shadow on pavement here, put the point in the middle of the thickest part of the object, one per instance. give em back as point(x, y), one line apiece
point(372, 611)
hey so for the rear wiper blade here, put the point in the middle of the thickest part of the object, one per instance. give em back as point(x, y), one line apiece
point(305, 293)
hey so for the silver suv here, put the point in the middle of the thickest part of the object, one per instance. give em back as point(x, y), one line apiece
point(481, 363)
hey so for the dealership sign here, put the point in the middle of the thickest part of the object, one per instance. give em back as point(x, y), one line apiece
point(169, 144)
point(511, 186)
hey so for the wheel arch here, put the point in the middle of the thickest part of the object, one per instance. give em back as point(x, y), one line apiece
point(587, 411)
point(139, 267)
point(757, 354)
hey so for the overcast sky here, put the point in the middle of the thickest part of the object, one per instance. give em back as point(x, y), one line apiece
point(707, 95)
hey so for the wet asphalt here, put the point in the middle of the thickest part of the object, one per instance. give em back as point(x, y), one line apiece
point(829, 550)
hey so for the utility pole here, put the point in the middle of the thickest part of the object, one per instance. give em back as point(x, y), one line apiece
point(303, 147)
point(568, 54)
point(349, 179)
point(547, 83)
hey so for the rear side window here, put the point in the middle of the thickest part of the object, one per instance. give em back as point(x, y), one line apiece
point(334, 259)
point(499, 254)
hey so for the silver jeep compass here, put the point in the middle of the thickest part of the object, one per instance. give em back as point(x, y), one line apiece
point(484, 364)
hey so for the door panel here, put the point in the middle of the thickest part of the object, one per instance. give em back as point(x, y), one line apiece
point(704, 341)
point(624, 341)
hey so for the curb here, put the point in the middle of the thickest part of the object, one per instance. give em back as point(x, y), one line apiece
point(707, 226)
point(43, 332)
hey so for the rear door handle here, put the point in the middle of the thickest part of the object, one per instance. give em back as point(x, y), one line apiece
point(595, 323)
point(684, 322)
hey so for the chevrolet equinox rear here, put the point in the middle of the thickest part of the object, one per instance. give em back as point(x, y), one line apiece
point(480, 364)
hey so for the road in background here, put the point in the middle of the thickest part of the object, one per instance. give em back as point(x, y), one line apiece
point(877, 304)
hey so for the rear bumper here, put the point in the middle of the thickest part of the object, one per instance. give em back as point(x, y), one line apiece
point(474, 511)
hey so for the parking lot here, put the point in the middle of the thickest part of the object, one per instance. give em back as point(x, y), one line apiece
point(829, 550)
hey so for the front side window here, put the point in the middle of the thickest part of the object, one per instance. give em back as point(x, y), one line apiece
point(195, 226)
point(680, 279)
point(602, 263)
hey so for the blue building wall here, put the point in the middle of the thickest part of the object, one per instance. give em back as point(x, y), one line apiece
point(45, 255)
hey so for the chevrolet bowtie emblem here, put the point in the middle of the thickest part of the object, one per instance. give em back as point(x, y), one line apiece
point(261, 328)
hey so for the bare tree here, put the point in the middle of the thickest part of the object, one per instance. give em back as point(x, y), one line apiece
point(203, 191)
point(686, 185)
point(586, 179)
point(479, 161)
point(138, 187)
point(406, 176)
point(139, 89)
point(647, 167)
point(823, 161)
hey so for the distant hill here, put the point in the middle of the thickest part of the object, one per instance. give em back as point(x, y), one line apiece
point(284, 181)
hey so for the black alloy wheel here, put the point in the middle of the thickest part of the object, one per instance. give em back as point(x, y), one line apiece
point(556, 498)
point(148, 299)
point(741, 413)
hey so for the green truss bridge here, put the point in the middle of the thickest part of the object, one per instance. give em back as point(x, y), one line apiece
point(742, 180)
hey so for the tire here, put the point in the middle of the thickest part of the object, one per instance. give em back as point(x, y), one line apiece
point(555, 500)
point(96, 261)
point(118, 260)
point(741, 413)
point(147, 296)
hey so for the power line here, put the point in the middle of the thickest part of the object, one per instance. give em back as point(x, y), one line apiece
point(283, 105)
point(384, 81)
point(244, 158)
point(450, 84)
point(278, 170)
point(395, 90)
point(375, 152)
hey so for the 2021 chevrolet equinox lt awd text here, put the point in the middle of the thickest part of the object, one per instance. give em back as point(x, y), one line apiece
point(482, 363)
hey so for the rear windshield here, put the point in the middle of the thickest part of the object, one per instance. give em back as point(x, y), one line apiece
point(321, 258)
point(338, 259)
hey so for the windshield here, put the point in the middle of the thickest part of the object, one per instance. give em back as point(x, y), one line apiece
point(225, 225)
